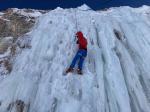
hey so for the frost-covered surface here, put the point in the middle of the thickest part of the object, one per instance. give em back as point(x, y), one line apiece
point(84, 7)
point(1, 14)
point(144, 9)
point(116, 72)
point(33, 13)
point(24, 41)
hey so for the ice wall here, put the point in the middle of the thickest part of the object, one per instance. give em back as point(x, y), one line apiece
point(116, 71)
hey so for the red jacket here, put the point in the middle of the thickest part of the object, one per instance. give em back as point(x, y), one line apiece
point(82, 41)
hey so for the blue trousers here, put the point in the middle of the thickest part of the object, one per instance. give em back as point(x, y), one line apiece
point(80, 56)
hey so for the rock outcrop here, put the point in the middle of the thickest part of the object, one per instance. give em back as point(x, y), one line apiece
point(14, 24)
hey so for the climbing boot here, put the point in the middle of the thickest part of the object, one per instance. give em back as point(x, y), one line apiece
point(79, 71)
point(69, 70)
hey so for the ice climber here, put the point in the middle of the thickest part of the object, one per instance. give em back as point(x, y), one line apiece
point(81, 53)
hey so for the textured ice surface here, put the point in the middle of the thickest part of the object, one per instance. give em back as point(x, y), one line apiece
point(116, 71)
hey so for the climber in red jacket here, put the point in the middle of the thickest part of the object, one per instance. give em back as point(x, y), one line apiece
point(81, 54)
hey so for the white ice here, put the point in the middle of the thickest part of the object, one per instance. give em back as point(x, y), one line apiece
point(116, 73)
point(34, 13)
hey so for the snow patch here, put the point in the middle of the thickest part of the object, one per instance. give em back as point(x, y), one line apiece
point(59, 9)
point(1, 13)
point(34, 14)
point(84, 7)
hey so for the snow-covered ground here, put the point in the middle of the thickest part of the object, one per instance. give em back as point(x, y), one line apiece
point(33, 13)
point(116, 71)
